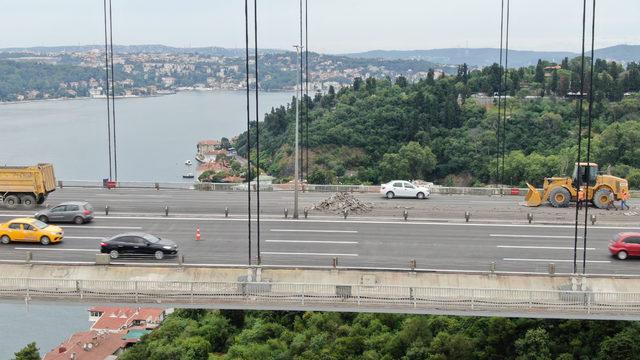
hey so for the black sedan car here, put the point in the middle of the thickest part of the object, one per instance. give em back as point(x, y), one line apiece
point(140, 244)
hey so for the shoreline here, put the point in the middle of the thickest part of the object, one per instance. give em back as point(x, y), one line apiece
point(175, 91)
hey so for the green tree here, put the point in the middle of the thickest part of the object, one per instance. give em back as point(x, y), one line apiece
point(421, 160)
point(451, 347)
point(322, 176)
point(535, 345)
point(539, 76)
point(29, 352)
point(394, 166)
point(402, 81)
point(194, 348)
point(555, 79)
point(622, 346)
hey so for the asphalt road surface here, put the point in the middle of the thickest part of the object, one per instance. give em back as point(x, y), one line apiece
point(213, 203)
point(378, 239)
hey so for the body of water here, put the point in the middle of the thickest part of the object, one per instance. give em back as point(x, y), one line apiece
point(48, 325)
point(155, 135)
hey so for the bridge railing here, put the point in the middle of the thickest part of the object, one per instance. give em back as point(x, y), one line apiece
point(285, 187)
point(351, 295)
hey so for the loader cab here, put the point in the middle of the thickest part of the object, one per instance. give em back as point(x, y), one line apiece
point(588, 172)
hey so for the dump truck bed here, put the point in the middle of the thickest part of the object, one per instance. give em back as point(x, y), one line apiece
point(39, 179)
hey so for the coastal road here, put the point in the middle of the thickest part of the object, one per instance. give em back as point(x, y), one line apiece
point(360, 243)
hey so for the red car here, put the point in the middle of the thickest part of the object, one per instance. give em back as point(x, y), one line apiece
point(625, 244)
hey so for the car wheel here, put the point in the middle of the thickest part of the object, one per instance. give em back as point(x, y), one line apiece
point(390, 195)
point(114, 254)
point(44, 219)
point(420, 195)
point(28, 201)
point(78, 220)
point(622, 255)
point(5, 239)
point(159, 255)
point(11, 202)
point(45, 240)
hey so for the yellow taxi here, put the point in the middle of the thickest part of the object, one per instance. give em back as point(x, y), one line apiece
point(30, 230)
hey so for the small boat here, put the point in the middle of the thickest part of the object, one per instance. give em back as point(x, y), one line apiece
point(188, 176)
point(188, 163)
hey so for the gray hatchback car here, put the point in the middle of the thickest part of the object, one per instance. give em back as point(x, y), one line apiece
point(78, 212)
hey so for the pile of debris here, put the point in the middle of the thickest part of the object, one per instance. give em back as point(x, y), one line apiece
point(339, 202)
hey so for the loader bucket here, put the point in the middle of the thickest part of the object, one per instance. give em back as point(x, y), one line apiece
point(533, 197)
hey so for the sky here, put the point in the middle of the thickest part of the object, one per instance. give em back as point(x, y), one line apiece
point(335, 26)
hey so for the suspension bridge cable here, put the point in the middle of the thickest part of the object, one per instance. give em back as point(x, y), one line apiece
point(113, 98)
point(255, 38)
point(580, 102)
point(589, 121)
point(306, 77)
point(246, 62)
point(499, 97)
point(504, 105)
point(106, 70)
point(301, 96)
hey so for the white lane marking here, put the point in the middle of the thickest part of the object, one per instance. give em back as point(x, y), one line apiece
point(541, 247)
point(533, 236)
point(42, 249)
point(312, 242)
point(557, 260)
point(63, 262)
point(137, 195)
point(317, 231)
point(85, 237)
point(102, 227)
point(490, 202)
point(368, 222)
point(304, 254)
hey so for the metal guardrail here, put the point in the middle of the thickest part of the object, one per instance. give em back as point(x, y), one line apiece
point(285, 187)
point(443, 190)
point(365, 296)
point(127, 184)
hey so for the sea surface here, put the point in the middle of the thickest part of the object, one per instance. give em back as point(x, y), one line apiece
point(46, 324)
point(154, 135)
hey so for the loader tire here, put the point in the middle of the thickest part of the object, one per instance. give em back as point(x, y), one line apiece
point(601, 198)
point(560, 197)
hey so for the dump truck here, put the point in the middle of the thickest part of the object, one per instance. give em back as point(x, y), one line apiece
point(26, 185)
point(561, 191)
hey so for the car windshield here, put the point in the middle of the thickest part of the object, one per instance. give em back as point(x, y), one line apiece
point(150, 238)
point(39, 224)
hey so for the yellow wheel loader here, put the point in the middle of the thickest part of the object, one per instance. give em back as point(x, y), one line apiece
point(561, 191)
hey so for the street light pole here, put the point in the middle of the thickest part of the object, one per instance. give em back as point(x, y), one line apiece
point(297, 170)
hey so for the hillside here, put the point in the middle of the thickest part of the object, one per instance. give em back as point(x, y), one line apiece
point(132, 49)
point(192, 334)
point(378, 130)
point(487, 56)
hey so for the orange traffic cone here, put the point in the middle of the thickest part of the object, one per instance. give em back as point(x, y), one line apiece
point(198, 234)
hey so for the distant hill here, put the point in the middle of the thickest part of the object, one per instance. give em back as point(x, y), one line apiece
point(487, 56)
point(153, 48)
point(451, 56)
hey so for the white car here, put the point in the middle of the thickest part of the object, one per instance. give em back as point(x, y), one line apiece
point(401, 188)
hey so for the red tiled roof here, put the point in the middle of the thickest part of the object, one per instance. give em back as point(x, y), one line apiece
point(213, 166)
point(215, 152)
point(209, 142)
point(114, 318)
point(90, 345)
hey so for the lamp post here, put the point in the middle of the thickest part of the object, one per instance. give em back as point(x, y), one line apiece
point(297, 159)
